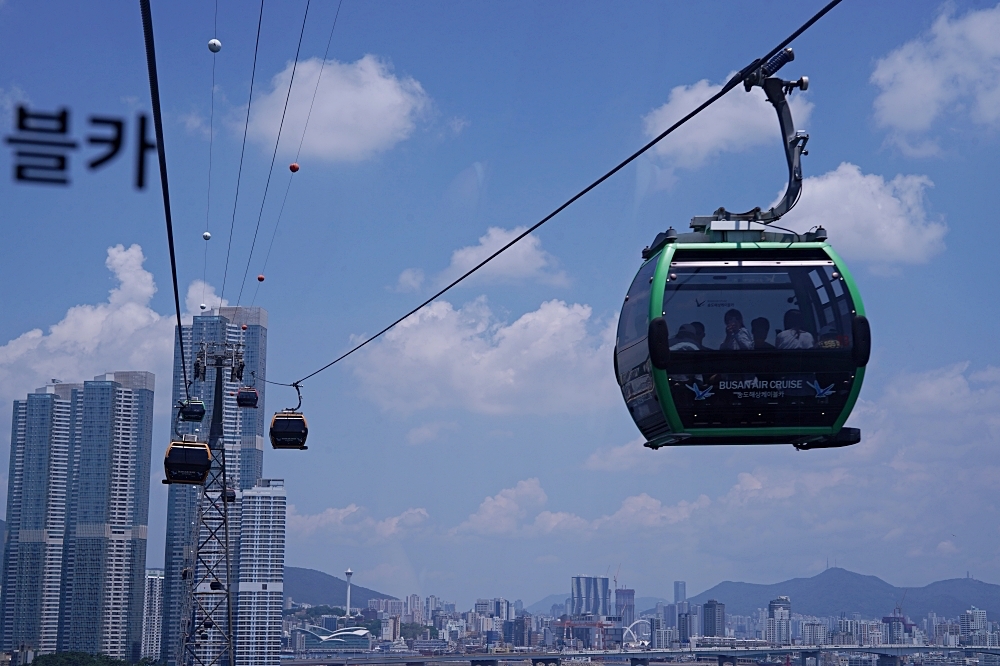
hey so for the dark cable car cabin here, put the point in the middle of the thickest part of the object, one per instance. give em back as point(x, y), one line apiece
point(247, 396)
point(187, 462)
point(191, 410)
point(289, 430)
point(742, 333)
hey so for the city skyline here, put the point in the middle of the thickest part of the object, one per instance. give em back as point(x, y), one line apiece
point(487, 433)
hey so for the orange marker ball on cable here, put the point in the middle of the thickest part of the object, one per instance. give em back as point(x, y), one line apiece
point(244, 327)
point(293, 167)
point(260, 278)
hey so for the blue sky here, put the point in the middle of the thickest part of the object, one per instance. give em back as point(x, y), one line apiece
point(482, 448)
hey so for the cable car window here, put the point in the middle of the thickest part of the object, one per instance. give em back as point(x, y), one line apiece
point(757, 306)
point(634, 322)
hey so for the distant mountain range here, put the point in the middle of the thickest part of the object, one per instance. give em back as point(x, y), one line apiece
point(309, 586)
point(838, 590)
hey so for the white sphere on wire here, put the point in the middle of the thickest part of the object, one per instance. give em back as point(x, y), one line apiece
point(203, 306)
point(206, 236)
point(214, 45)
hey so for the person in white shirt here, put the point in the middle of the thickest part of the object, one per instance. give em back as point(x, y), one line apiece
point(794, 337)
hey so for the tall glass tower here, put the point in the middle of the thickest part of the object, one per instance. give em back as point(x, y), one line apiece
point(243, 433)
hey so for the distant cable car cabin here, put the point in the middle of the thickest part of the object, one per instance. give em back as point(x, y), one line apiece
point(247, 396)
point(289, 430)
point(740, 332)
point(191, 410)
point(187, 462)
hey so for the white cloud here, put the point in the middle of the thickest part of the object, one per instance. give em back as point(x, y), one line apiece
point(458, 125)
point(946, 548)
point(352, 520)
point(410, 280)
point(201, 293)
point(645, 512)
point(953, 69)
point(329, 518)
point(442, 357)
point(396, 524)
point(502, 513)
point(869, 218)
point(525, 260)
point(361, 109)
point(736, 122)
point(509, 512)
point(123, 333)
point(627, 457)
point(428, 432)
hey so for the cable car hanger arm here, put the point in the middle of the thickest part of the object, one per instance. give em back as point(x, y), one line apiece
point(775, 58)
point(794, 142)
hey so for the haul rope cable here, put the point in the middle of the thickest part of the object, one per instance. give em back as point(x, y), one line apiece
point(211, 141)
point(299, 151)
point(732, 83)
point(239, 173)
point(277, 141)
point(161, 154)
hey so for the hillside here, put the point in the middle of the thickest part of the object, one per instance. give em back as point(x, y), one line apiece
point(308, 586)
point(838, 590)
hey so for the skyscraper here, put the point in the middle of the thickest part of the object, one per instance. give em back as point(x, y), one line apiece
point(262, 563)
point(625, 605)
point(589, 595)
point(713, 618)
point(44, 430)
point(78, 503)
point(680, 591)
point(152, 614)
point(779, 629)
point(243, 433)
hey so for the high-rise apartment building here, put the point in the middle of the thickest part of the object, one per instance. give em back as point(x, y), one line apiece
point(244, 431)
point(713, 618)
point(589, 595)
point(262, 564)
point(972, 621)
point(680, 591)
point(44, 433)
point(779, 627)
point(78, 503)
point(152, 614)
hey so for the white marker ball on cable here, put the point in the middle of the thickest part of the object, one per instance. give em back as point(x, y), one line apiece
point(203, 306)
point(206, 236)
point(214, 45)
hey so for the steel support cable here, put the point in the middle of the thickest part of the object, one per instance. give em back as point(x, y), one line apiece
point(732, 83)
point(239, 172)
point(274, 155)
point(299, 151)
point(211, 141)
point(161, 154)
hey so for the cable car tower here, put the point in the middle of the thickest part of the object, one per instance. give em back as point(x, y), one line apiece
point(209, 639)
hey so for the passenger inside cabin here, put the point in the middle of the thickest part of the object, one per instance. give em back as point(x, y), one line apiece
point(686, 339)
point(760, 327)
point(737, 336)
point(794, 337)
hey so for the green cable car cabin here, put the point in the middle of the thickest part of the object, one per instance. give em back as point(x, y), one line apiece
point(741, 332)
point(727, 340)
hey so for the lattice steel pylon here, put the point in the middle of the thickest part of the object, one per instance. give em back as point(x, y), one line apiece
point(209, 640)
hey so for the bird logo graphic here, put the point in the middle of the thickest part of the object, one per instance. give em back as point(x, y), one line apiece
point(700, 393)
point(820, 392)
